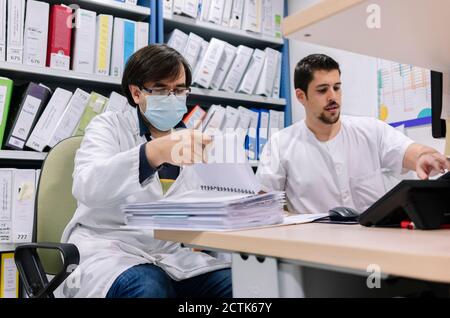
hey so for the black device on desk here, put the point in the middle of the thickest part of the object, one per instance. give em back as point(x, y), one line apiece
point(424, 202)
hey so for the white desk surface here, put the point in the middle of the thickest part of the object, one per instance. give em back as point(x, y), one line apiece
point(408, 253)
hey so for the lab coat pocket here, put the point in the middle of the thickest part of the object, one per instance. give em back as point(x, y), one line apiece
point(367, 189)
point(185, 263)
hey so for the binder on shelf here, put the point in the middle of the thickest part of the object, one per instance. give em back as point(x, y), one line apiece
point(252, 16)
point(190, 8)
point(263, 126)
point(116, 103)
point(213, 58)
point(243, 122)
point(226, 16)
point(141, 35)
point(129, 39)
point(3, 19)
point(6, 186)
point(237, 69)
point(103, 43)
point(44, 129)
point(193, 119)
point(178, 40)
point(274, 122)
point(216, 11)
point(32, 103)
point(278, 14)
point(9, 276)
point(70, 118)
point(277, 83)
point(178, 6)
point(267, 79)
point(16, 17)
point(254, 69)
point(117, 53)
point(214, 120)
point(201, 56)
point(222, 70)
point(36, 33)
point(83, 59)
point(6, 88)
point(251, 141)
point(59, 37)
point(231, 119)
point(237, 12)
point(95, 106)
point(18, 187)
point(204, 10)
point(23, 194)
point(268, 21)
point(168, 9)
point(192, 49)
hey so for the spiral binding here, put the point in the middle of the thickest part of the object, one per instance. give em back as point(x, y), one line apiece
point(226, 189)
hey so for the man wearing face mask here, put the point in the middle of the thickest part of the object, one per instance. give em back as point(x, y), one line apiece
point(131, 157)
point(328, 160)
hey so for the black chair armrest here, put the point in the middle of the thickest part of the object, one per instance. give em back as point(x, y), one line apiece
point(33, 274)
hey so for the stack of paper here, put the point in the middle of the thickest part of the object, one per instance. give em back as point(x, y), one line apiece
point(209, 212)
point(212, 196)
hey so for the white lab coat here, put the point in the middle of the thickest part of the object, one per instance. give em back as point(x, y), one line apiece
point(345, 171)
point(106, 175)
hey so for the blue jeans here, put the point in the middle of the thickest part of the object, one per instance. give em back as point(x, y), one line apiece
point(150, 281)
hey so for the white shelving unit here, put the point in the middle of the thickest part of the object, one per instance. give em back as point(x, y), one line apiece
point(113, 7)
point(44, 74)
point(230, 35)
point(22, 155)
point(7, 247)
point(219, 96)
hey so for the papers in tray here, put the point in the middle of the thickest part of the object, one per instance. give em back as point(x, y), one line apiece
point(204, 211)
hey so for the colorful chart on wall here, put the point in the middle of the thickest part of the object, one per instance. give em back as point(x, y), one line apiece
point(404, 94)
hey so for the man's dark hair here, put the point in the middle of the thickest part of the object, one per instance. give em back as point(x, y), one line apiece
point(153, 63)
point(304, 71)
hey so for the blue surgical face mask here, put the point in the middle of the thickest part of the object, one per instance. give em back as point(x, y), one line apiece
point(165, 112)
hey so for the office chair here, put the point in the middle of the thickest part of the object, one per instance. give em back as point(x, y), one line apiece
point(54, 207)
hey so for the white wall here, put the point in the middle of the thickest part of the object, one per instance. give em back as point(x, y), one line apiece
point(359, 82)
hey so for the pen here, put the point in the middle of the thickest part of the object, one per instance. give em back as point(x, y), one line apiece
point(411, 226)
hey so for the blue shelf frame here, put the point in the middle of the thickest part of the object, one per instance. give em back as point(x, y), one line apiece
point(157, 36)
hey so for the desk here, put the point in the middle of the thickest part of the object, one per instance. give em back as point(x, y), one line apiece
point(418, 255)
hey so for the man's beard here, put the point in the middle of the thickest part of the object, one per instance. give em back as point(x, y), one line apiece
point(332, 118)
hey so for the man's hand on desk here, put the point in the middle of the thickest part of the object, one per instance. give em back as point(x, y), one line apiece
point(431, 163)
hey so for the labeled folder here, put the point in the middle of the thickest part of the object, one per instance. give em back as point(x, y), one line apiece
point(3, 19)
point(141, 35)
point(193, 119)
point(44, 129)
point(6, 88)
point(116, 103)
point(95, 106)
point(213, 58)
point(9, 276)
point(103, 44)
point(269, 72)
point(263, 126)
point(70, 118)
point(16, 17)
point(224, 67)
point(251, 76)
point(237, 69)
point(32, 103)
point(36, 33)
point(83, 60)
point(59, 37)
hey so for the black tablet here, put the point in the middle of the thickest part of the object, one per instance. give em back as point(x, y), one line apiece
point(424, 202)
